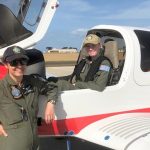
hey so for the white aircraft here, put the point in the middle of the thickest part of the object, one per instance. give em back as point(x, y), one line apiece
point(117, 118)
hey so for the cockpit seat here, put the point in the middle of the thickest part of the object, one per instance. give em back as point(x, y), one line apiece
point(111, 52)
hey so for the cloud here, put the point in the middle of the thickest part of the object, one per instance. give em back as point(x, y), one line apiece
point(9, 3)
point(148, 27)
point(80, 31)
point(140, 11)
point(78, 5)
point(73, 9)
point(12, 4)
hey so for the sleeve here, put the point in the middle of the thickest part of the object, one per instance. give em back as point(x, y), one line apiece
point(67, 78)
point(100, 79)
point(55, 79)
point(1, 95)
point(49, 89)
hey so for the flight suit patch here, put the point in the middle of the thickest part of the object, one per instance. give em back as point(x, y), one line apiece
point(104, 68)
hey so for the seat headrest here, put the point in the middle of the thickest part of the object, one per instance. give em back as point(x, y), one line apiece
point(111, 52)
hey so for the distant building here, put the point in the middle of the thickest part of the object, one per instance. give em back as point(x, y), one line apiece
point(63, 50)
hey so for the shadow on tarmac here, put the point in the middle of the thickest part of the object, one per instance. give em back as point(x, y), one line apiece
point(68, 143)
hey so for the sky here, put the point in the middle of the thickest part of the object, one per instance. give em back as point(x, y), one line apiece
point(74, 17)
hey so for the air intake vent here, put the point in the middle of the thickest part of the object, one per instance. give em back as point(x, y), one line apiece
point(128, 127)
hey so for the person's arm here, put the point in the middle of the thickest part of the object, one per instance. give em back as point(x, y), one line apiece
point(55, 79)
point(2, 131)
point(49, 112)
point(100, 80)
point(52, 96)
point(46, 88)
point(49, 89)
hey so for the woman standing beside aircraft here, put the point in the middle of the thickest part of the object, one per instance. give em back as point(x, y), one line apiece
point(19, 102)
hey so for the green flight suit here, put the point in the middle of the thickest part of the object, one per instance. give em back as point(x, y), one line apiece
point(98, 83)
point(21, 126)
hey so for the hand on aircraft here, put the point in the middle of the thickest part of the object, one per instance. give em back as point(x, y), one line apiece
point(49, 113)
point(2, 131)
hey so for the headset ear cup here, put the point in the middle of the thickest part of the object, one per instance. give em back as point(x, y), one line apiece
point(16, 93)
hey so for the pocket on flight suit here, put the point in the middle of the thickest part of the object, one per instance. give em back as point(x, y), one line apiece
point(12, 114)
point(2, 142)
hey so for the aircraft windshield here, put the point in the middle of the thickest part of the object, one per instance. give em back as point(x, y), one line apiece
point(13, 5)
point(22, 15)
point(25, 11)
point(11, 28)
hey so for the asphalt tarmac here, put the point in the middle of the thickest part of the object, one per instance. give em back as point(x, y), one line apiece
point(60, 71)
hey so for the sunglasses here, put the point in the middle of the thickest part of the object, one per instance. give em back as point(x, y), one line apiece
point(17, 62)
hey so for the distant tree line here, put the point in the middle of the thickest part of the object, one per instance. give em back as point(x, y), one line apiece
point(50, 48)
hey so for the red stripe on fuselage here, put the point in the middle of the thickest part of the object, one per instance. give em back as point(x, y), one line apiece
point(59, 127)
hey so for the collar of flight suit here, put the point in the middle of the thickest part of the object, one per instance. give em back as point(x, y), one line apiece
point(10, 80)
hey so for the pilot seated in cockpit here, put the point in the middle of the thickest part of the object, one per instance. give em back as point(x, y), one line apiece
point(91, 72)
